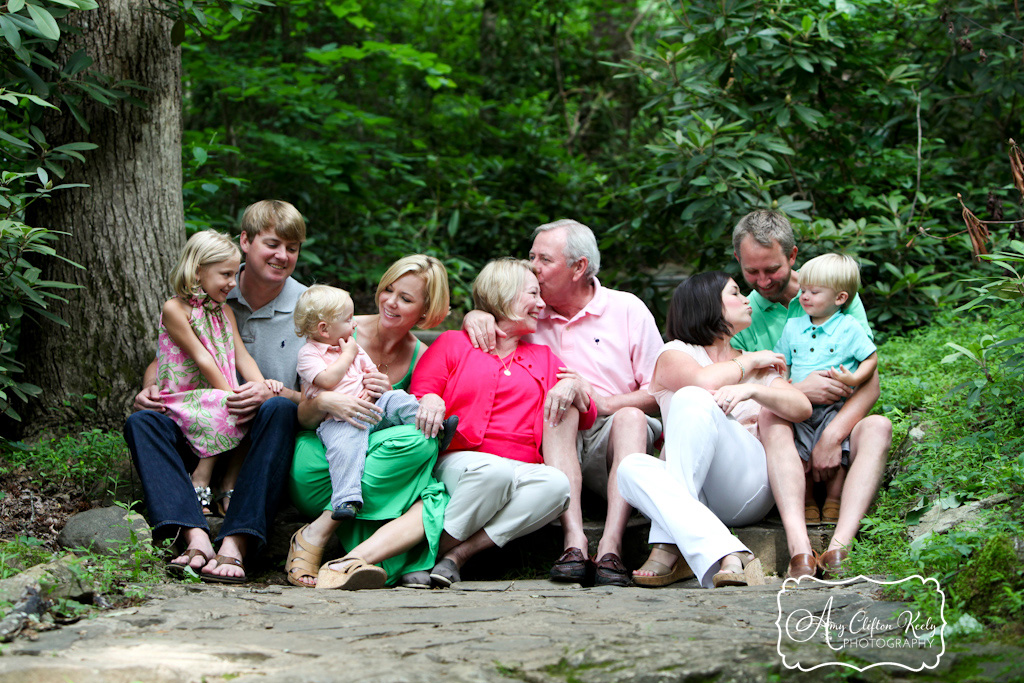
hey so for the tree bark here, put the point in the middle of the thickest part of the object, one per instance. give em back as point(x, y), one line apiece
point(127, 228)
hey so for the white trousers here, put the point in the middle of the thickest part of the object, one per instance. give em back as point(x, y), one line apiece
point(506, 498)
point(714, 474)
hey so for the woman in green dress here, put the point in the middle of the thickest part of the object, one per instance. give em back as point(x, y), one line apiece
point(403, 505)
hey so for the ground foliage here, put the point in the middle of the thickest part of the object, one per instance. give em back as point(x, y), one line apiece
point(971, 448)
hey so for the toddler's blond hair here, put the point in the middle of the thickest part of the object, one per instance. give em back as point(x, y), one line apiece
point(835, 271)
point(320, 303)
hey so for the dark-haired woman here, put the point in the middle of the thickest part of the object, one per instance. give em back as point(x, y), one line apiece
point(714, 473)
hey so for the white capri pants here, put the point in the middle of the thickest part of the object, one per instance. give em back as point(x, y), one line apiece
point(714, 474)
point(506, 498)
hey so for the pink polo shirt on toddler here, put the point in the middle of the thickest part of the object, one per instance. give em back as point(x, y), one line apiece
point(315, 357)
point(613, 341)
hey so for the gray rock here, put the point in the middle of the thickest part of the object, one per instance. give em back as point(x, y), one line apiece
point(57, 579)
point(103, 530)
point(939, 521)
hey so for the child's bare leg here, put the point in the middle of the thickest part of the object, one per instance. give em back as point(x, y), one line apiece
point(809, 490)
point(227, 483)
point(834, 486)
point(202, 475)
point(833, 492)
point(203, 472)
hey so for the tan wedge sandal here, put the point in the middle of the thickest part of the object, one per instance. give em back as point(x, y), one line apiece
point(751, 573)
point(664, 575)
point(303, 561)
point(350, 574)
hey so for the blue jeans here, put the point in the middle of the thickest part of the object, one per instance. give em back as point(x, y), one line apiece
point(164, 461)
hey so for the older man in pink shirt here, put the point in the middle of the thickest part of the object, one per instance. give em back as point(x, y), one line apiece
point(609, 341)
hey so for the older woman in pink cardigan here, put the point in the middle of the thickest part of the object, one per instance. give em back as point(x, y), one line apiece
point(500, 487)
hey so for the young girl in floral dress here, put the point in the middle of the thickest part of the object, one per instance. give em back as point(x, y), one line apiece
point(198, 354)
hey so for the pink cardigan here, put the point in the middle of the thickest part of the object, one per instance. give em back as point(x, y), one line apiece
point(466, 378)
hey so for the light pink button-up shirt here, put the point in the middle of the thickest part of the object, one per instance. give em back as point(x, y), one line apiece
point(613, 342)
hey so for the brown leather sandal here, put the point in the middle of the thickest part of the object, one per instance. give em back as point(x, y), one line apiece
point(190, 554)
point(224, 559)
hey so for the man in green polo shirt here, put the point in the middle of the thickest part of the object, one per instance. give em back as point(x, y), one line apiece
point(763, 244)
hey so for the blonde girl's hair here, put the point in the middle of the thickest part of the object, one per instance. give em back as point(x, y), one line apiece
point(435, 285)
point(202, 249)
point(320, 303)
point(497, 286)
point(835, 271)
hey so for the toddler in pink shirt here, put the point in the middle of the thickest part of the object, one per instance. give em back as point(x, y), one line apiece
point(331, 360)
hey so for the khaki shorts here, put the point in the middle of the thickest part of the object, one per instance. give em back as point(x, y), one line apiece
point(592, 451)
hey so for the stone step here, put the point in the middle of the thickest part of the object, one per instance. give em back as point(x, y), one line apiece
point(536, 552)
point(533, 555)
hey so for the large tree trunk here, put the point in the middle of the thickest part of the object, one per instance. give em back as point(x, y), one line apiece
point(127, 228)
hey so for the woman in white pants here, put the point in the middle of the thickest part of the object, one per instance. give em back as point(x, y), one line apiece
point(714, 473)
point(500, 487)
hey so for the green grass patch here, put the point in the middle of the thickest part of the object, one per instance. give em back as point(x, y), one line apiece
point(75, 463)
point(969, 446)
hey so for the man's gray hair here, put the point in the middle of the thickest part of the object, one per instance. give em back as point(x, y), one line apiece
point(765, 227)
point(579, 243)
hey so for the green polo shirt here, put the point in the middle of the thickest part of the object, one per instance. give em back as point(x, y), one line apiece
point(768, 319)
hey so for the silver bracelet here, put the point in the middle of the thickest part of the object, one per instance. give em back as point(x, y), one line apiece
point(743, 372)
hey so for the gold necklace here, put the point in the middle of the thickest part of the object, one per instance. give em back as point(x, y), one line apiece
point(383, 367)
point(508, 368)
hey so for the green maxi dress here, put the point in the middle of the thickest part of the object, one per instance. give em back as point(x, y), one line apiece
point(398, 472)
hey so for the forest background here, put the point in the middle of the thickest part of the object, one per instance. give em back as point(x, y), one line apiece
point(454, 127)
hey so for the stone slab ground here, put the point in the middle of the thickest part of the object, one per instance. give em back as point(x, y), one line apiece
point(478, 631)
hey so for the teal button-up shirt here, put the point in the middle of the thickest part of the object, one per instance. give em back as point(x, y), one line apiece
point(808, 347)
point(770, 318)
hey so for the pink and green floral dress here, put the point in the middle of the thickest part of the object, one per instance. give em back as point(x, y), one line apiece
point(197, 408)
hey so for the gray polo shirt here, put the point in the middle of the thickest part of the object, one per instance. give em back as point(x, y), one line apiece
point(269, 333)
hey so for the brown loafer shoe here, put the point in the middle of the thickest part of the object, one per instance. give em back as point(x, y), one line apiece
point(610, 571)
point(831, 563)
point(571, 566)
point(830, 511)
point(804, 564)
point(812, 515)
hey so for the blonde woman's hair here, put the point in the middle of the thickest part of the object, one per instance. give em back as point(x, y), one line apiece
point(202, 249)
point(497, 286)
point(435, 285)
point(274, 214)
point(320, 303)
point(835, 271)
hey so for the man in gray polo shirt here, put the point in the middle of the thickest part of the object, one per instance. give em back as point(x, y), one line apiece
point(263, 301)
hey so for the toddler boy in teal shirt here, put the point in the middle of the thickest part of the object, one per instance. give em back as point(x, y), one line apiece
point(826, 340)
